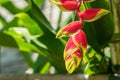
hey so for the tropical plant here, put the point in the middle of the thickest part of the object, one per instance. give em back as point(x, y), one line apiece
point(30, 31)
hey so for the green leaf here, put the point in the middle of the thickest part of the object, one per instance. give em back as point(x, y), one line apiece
point(38, 16)
point(113, 77)
point(99, 57)
point(55, 46)
point(85, 59)
point(46, 68)
point(96, 66)
point(39, 65)
point(29, 23)
point(38, 2)
point(3, 22)
point(28, 58)
point(91, 53)
point(99, 33)
point(7, 41)
point(88, 69)
point(91, 36)
point(48, 39)
point(21, 44)
point(12, 23)
point(104, 27)
point(3, 1)
point(14, 9)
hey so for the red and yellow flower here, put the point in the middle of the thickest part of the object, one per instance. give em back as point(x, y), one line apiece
point(76, 46)
point(74, 50)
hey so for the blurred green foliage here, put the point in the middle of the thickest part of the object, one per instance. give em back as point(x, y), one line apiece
point(30, 31)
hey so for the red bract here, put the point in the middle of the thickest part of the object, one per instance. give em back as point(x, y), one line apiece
point(69, 48)
point(64, 0)
point(77, 42)
point(65, 5)
point(69, 5)
point(93, 14)
point(80, 41)
point(70, 29)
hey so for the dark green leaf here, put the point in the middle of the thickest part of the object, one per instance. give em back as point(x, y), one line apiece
point(7, 41)
point(40, 63)
point(55, 46)
point(13, 23)
point(113, 77)
point(13, 9)
point(28, 58)
point(115, 38)
point(104, 27)
point(36, 14)
point(3, 22)
point(99, 33)
point(91, 36)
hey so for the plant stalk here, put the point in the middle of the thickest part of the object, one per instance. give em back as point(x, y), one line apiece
point(0, 60)
point(115, 47)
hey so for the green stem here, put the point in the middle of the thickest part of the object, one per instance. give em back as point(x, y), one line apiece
point(115, 48)
point(85, 5)
point(0, 59)
point(59, 18)
point(27, 58)
point(73, 16)
point(111, 5)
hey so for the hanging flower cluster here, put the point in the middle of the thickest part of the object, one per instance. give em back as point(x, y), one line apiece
point(77, 43)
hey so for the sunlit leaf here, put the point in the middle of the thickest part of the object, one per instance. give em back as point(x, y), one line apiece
point(99, 57)
point(21, 44)
point(38, 2)
point(88, 69)
point(29, 23)
point(3, 1)
point(40, 63)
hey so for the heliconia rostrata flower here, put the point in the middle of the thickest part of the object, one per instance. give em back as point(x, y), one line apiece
point(76, 46)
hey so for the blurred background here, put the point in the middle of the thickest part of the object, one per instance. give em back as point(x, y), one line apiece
point(11, 60)
point(36, 50)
